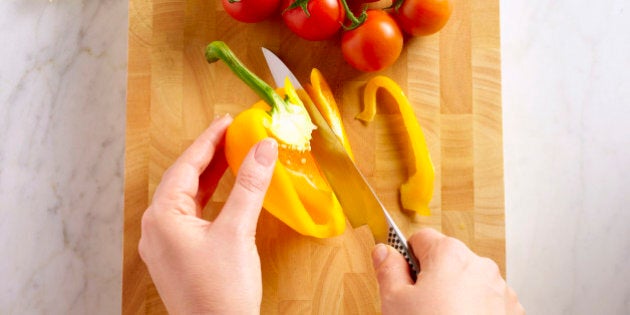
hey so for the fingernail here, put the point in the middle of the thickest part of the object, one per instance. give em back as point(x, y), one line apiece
point(218, 117)
point(266, 152)
point(379, 254)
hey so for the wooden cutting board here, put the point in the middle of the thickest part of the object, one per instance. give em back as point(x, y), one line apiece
point(453, 80)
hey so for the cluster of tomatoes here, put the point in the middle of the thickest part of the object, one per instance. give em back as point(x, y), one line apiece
point(371, 38)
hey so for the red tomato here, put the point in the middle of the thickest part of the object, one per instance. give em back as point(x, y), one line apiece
point(250, 11)
point(324, 21)
point(374, 45)
point(423, 17)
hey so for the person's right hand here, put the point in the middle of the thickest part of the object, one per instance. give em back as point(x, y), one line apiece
point(452, 280)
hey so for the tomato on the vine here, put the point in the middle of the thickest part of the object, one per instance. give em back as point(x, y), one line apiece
point(422, 17)
point(374, 45)
point(313, 19)
point(250, 11)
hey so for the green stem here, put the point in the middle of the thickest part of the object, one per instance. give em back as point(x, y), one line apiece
point(356, 22)
point(299, 3)
point(219, 50)
point(396, 5)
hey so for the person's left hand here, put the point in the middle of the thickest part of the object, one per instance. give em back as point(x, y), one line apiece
point(200, 266)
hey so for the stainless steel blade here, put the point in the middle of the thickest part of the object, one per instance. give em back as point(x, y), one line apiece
point(279, 71)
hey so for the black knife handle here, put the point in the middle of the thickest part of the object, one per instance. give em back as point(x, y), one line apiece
point(394, 240)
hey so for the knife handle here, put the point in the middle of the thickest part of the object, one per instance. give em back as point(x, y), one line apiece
point(398, 242)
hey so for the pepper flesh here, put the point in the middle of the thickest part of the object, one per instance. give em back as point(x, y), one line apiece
point(417, 191)
point(298, 194)
point(323, 98)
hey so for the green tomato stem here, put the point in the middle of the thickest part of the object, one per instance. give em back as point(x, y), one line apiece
point(396, 5)
point(356, 21)
point(299, 3)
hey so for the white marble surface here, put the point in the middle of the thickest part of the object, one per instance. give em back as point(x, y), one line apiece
point(566, 101)
point(62, 123)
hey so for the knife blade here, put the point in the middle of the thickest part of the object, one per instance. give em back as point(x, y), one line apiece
point(360, 203)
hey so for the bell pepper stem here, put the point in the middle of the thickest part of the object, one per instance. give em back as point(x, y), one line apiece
point(289, 121)
point(218, 50)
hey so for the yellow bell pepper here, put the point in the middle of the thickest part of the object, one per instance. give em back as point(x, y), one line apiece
point(298, 194)
point(417, 191)
point(321, 94)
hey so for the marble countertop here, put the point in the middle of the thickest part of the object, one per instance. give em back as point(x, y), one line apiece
point(566, 103)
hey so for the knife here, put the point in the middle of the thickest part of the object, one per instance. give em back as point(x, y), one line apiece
point(360, 203)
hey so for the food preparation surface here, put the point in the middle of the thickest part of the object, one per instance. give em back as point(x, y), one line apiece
point(452, 80)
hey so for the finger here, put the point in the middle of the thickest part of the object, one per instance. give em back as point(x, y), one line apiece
point(241, 210)
point(209, 179)
point(513, 306)
point(435, 250)
point(200, 153)
point(391, 269)
point(181, 180)
point(422, 242)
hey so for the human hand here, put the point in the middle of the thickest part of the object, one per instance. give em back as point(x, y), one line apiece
point(200, 266)
point(452, 280)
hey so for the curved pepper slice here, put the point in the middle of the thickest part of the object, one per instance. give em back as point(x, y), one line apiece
point(322, 96)
point(298, 194)
point(417, 191)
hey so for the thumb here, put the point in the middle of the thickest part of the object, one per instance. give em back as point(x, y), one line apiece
point(242, 208)
point(391, 268)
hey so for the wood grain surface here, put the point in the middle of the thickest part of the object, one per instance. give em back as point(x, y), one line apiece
point(452, 79)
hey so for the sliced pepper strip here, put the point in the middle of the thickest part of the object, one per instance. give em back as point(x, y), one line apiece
point(417, 191)
point(298, 194)
point(321, 94)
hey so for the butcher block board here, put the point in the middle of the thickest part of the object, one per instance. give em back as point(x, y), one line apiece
point(453, 80)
